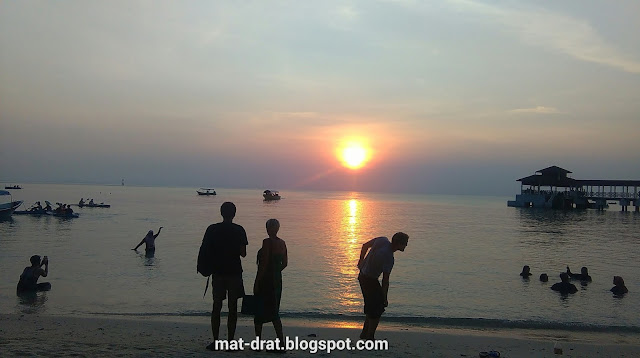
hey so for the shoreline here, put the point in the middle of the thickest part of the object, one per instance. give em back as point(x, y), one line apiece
point(44, 335)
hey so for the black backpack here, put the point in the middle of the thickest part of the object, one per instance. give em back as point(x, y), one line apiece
point(205, 261)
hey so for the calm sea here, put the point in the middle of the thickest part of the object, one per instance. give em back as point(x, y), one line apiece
point(461, 266)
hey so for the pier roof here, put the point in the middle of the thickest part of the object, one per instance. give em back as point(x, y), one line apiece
point(605, 182)
point(554, 170)
point(548, 180)
point(556, 176)
point(551, 176)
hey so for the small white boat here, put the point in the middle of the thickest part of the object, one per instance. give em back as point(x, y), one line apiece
point(271, 195)
point(6, 209)
point(206, 191)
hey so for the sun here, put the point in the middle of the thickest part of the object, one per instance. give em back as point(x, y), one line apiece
point(354, 155)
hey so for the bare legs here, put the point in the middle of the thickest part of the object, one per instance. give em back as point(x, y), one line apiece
point(215, 319)
point(277, 325)
point(232, 319)
point(369, 328)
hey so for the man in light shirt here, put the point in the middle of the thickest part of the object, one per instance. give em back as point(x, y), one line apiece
point(379, 261)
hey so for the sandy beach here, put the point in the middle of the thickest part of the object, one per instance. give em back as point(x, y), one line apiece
point(58, 336)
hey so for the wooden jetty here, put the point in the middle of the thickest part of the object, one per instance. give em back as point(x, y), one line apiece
point(552, 188)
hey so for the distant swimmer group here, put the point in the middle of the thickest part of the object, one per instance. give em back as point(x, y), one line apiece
point(565, 287)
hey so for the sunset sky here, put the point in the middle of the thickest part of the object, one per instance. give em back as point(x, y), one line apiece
point(451, 97)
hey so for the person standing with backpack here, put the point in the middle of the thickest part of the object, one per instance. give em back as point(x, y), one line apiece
point(222, 247)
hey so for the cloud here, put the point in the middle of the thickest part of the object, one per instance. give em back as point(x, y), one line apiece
point(574, 37)
point(538, 109)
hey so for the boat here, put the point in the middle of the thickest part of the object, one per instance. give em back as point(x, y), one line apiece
point(42, 212)
point(64, 215)
point(60, 211)
point(6, 209)
point(89, 205)
point(271, 195)
point(206, 191)
point(34, 210)
point(13, 187)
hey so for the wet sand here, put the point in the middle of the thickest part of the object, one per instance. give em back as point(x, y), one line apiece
point(59, 336)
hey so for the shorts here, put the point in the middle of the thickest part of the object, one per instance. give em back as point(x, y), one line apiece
point(373, 296)
point(221, 284)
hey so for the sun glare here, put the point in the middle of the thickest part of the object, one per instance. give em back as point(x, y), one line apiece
point(353, 155)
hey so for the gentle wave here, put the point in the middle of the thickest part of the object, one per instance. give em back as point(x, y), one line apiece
point(443, 322)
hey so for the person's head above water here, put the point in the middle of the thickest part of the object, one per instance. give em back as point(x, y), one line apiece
point(525, 269)
point(35, 260)
point(273, 225)
point(618, 281)
point(584, 271)
point(564, 277)
point(228, 210)
point(544, 277)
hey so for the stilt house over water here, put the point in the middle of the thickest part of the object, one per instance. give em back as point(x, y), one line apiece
point(552, 188)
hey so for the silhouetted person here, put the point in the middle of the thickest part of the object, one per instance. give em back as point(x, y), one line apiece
point(564, 287)
point(544, 277)
point(272, 259)
point(150, 242)
point(29, 279)
point(379, 261)
point(526, 271)
point(582, 276)
point(225, 243)
point(619, 289)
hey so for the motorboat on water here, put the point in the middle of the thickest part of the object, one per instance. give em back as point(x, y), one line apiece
point(271, 195)
point(7, 209)
point(13, 187)
point(206, 191)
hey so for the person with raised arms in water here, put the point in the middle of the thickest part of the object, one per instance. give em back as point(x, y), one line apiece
point(29, 279)
point(150, 242)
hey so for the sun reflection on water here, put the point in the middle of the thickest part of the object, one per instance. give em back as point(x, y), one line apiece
point(347, 250)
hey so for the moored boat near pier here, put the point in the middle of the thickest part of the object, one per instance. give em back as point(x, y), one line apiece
point(7, 209)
